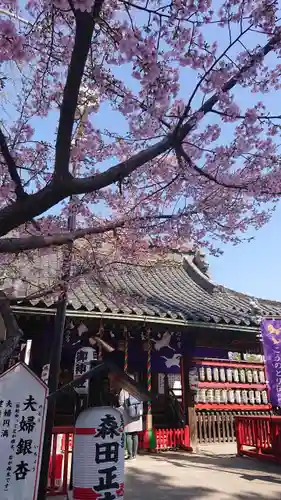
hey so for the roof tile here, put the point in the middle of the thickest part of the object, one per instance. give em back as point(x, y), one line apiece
point(168, 290)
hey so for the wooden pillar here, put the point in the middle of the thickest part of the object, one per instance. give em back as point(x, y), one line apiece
point(189, 404)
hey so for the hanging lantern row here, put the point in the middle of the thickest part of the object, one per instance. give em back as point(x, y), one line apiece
point(228, 374)
point(231, 396)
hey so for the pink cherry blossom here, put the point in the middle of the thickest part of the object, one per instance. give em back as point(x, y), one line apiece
point(160, 120)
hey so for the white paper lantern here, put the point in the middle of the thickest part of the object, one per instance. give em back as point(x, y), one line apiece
point(222, 375)
point(216, 374)
point(209, 374)
point(203, 396)
point(258, 397)
point(245, 396)
point(252, 397)
point(249, 376)
point(210, 395)
point(231, 396)
point(224, 396)
point(242, 376)
point(255, 377)
point(264, 397)
point(261, 377)
point(98, 463)
point(217, 396)
point(238, 397)
point(229, 374)
point(235, 375)
point(202, 373)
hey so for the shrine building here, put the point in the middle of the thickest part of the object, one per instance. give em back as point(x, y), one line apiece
point(202, 338)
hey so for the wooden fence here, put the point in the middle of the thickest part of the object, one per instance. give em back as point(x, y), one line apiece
point(218, 426)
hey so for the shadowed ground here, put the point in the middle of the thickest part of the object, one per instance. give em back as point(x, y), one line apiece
point(213, 474)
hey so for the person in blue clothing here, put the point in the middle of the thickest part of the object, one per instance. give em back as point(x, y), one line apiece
point(134, 414)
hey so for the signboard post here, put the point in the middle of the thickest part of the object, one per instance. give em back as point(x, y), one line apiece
point(23, 405)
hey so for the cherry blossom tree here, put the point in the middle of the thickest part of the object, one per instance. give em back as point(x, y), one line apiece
point(152, 123)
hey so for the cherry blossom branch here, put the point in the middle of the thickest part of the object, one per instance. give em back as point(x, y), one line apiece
point(123, 169)
point(12, 245)
point(85, 23)
point(19, 212)
point(210, 69)
point(12, 167)
point(214, 179)
point(243, 117)
point(157, 12)
point(15, 245)
point(206, 174)
point(12, 215)
point(16, 214)
point(230, 84)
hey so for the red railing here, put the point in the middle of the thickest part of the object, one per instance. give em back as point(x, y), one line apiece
point(167, 439)
point(60, 461)
point(259, 436)
point(61, 454)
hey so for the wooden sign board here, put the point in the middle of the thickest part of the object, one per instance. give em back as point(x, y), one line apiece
point(23, 406)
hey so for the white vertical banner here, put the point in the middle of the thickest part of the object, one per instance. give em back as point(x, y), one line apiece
point(83, 358)
point(98, 463)
point(23, 406)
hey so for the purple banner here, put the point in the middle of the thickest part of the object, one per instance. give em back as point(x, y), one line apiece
point(166, 352)
point(271, 337)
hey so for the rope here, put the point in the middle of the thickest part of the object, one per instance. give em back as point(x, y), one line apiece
point(100, 333)
point(126, 352)
point(149, 406)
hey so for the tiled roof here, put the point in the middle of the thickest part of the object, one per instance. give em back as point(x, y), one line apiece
point(178, 291)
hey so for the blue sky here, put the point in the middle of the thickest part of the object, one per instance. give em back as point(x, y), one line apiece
point(254, 267)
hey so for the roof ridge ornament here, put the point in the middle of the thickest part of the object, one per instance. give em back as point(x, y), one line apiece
point(219, 289)
point(199, 276)
point(200, 261)
point(256, 311)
